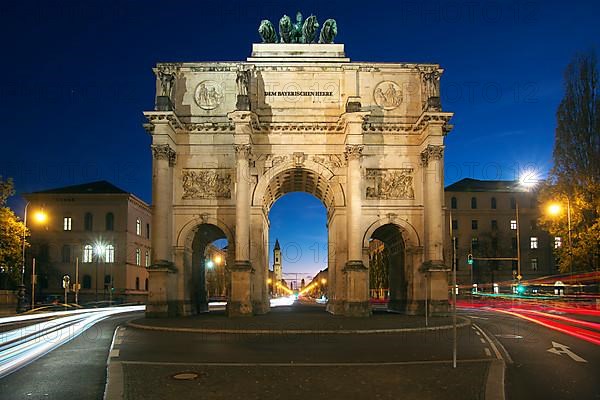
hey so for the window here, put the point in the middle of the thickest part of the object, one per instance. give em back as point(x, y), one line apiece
point(88, 253)
point(147, 263)
point(109, 256)
point(494, 205)
point(533, 224)
point(534, 264)
point(455, 224)
point(557, 242)
point(87, 282)
point(514, 243)
point(474, 224)
point(474, 243)
point(495, 244)
point(513, 224)
point(66, 253)
point(453, 203)
point(147, 231)
point(513, 203)
point(138, 257)
point(533, 242)
point(110, 222)
point(146, 284)
point(473, 202)
point(138, 227)
point(67, 223)
point(137, 283)
point(494, 225)
point(106, 282)
point(88, 221)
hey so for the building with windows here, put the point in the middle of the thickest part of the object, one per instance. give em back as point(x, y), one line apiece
point(95, 233)
point(485, 216)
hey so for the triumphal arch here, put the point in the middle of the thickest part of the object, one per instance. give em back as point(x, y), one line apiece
point(230, 138)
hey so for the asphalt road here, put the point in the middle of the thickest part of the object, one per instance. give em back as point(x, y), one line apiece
point(76, 370)
point(570, 371)
point(225, 366)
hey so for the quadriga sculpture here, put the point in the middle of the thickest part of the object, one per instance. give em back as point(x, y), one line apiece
point(267, 31)
point(328, 32)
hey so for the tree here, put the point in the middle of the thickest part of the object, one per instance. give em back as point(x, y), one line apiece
point(11, 238)
point(575, 176)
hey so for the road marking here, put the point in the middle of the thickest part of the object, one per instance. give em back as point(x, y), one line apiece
point(113, 353)
point(472, 316)
point(119, 341)
point(492, 345)
point(559, 349)
point(508, 336)
point(300, 364)
point(482, 340)
point(487, 352)
point(478, 334)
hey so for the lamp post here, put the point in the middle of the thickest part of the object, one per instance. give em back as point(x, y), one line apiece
point(100, 249)
point(40, 217)
point(555, 209)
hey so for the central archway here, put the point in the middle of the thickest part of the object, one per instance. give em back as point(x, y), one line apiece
point(311, 178)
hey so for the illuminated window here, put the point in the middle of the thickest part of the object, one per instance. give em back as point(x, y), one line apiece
point(138, 227)
point(534, 264)
point(109, 257)
point(557, 242)
point(67, 223)
point(513, 224)
point(88, 253)
point(138, 257)
point(147, 258)
point(533, 242)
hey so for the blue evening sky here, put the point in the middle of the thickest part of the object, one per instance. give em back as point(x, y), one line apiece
point(77, 76)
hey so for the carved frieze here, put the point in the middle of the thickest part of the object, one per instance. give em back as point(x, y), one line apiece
point(431, 152)
point(206, 184)
point(208, 94)
point(387, 184)
point(388, 95)
point(164, 152)
point(330, 161)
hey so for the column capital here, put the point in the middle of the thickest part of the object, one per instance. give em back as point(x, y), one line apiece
point(242, 151)
point(353, 151)
point(164, 152)
point(432, 152)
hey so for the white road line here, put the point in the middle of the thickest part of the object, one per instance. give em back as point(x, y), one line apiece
point(492, 345)
point(293, 364)
point(482, 340)
point(478, 334)
point(487, 352)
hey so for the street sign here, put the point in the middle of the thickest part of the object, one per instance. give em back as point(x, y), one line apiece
point(66, 281)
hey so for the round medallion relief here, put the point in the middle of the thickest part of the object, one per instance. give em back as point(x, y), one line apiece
point(387, 95)
point(208, 94)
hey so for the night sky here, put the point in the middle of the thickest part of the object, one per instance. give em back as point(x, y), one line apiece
point(77, 76)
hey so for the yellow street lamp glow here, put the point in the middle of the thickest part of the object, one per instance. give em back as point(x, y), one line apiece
point(554, 209)
point(218, 259)
point(269, 281)
point(40, 217)
point(323, 281)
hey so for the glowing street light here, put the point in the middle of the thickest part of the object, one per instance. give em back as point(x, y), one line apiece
point(39, 217)
point(210, 264)
point(100, 249)
point(555, 209)
point(218, 259)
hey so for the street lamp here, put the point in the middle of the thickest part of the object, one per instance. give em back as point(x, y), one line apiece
point(528, 180)
point(555, 209)
point(39, 217)
point(100, 249)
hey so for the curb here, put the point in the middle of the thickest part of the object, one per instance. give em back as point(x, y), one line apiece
point(466, 322)
point(114, 388)
point(494, 387)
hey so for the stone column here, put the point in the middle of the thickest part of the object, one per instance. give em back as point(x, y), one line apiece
point(240, 302)
point(355, 272)
point(433, 180)
point(162, 264)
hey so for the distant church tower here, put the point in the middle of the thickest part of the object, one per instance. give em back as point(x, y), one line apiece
point(277, 263)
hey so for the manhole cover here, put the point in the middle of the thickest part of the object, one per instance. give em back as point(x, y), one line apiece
point(185, 376)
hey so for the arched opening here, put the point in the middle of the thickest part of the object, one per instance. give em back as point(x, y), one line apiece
point(387, 268)
point(209, 260)
point(301, 222)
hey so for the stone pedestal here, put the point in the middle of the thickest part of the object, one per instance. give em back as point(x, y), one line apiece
point(356, 276)
point(240, 302)
point(158, 305)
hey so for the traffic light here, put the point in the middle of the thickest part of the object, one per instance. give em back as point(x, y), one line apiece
point(470, 259)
